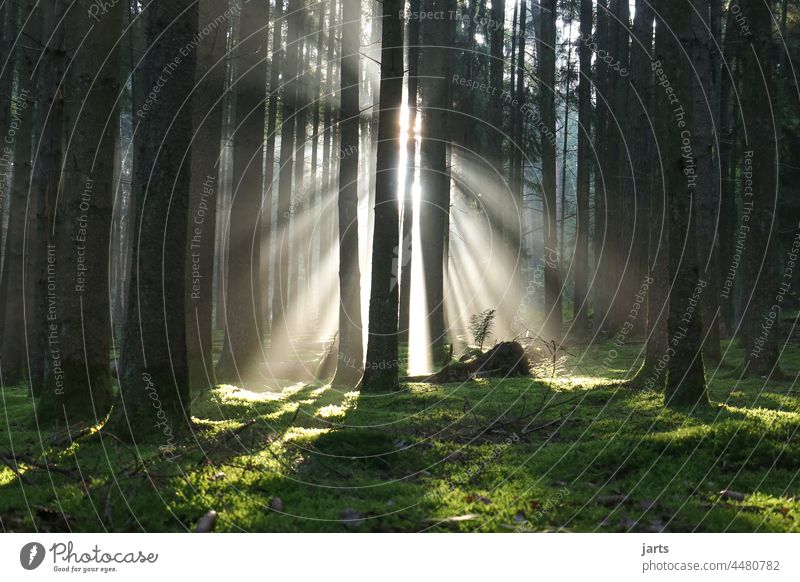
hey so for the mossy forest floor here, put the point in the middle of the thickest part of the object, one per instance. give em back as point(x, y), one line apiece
point(570, 453)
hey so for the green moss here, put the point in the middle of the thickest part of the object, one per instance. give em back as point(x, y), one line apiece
point(413, 459)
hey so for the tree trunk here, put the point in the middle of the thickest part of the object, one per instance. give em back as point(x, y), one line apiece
point(299, 247)
point(154, 376)
point(767, 287)
point(207, 108)
point(315, 250)
point(13, 358)
point(547, 74)
point(380, 370)
point(406, 248)
point(685, 381)
point(45, 180)
point(651, 260)
point(8, 20)
point(280, 300)
point(434, 218)
point(706, 200)
point(601, 298)
point(496, 66)
point(241, 352)
point(582, 183)
point(278, 54)
point(351, 352)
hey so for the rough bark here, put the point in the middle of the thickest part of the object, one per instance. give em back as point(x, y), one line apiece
point(434, 216)
point(380, 370)
point(600, 295)
point(45, 180)
point(280, 301)
point(207, 107)
point(406, 248)
point(547, 74)
point(13, 357)
point(276, 66)
point(351, 352)
point(759, 203)
point(685, 381)
point(706, 200)
point(241, 352)
point(154, 376)
point(582, 182)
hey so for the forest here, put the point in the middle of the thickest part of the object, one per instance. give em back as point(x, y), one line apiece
point(399, 266)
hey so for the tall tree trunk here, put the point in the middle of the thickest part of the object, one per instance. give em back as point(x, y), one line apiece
point(380, 370)
point(45, 180)
point(547, 74)
point(601, 298)
point(278, 54)
point(639, 192)
point(315, 250)
point(762, 319)
point(241, 352)
point(154, 376)
point(496, 66)
point(327, 224)
point(280, 300)
point(13, 357)
point(685, 381)
point(518, 160)
point(207, 108)
point(9, 30)
point(299, 204)
point(351, 351)
point(617, 275)
point(562, 239)
point(406, 248)
point(434, 70)
point(651, 259)
point(728, 171)
point(582, 183)
point(706, 199)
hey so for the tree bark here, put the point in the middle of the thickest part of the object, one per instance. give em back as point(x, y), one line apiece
point(706, 200)
point(406, 247)
point(434, 217)
point(207, 108)
point(685, 381)
point(241, 352)
point(547, 74)
point(582, 182)
point(351, 352)
point(380, 370)
point(45, 180)
point(759, 203)
point(279, 338)
point(154, 376)
point(13, 357)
